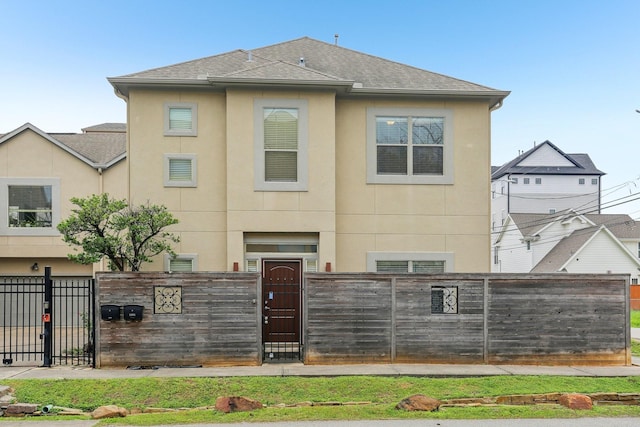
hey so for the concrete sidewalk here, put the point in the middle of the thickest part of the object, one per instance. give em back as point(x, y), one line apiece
point(298, 369)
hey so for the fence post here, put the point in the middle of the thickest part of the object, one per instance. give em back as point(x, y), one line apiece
point(47, 317)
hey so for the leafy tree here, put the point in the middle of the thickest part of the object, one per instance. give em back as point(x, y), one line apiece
point(127, 236)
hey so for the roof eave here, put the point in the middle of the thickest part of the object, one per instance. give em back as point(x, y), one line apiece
point(493, 96)
point(124, 84)
point(224, 82)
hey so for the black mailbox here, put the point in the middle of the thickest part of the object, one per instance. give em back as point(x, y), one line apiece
point(133, 312)
point(110, 312)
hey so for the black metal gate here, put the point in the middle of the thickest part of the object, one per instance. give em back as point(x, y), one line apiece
point(47, 320)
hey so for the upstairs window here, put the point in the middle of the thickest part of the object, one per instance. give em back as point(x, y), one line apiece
point(581, 181)
point(280, 144)
point(31, 206)
point(181, 119)
point(594, 181)
point(180, 170)
point(526, 180)
point(406, 146)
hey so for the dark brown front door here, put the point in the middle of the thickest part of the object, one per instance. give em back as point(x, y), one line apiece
point(281, 309)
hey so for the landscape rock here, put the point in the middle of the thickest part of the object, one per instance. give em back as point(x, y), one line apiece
point(108, 411)
point(419, 402)
point(20, 409)
point(576, 401)
point(236, 404)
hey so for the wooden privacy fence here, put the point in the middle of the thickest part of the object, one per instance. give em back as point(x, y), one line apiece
point(216, 319)
point(187, 319)
point(459, 318)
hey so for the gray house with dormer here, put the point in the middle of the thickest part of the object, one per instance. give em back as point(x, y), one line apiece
point(544, 180)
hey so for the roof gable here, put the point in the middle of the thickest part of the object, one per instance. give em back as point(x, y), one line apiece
point(96, 149)
point(571, 246)
point(547, 159)
point(547, 154)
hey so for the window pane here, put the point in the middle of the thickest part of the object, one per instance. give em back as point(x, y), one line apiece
point(392, 130)
point(281, 166)
point(281, 128)
point(428, 266)
point(427, 160)
point(392, 159)
point(180, 118)
point(392, 266)
point(181, 264)
point(30, 206)
point(274, 247)
point(180, 170)
point(428, 130)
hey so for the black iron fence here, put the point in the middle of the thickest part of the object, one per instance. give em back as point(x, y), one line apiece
point(47, 320)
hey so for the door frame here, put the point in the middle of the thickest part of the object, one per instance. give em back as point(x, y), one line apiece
point(299, 314)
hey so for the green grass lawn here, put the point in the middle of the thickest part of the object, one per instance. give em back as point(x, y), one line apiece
point(380, 393)
point(635, 318)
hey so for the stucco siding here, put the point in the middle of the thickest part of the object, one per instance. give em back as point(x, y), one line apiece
point(409, 217)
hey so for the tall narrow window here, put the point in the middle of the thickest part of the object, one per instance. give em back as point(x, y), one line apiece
point(280, 144)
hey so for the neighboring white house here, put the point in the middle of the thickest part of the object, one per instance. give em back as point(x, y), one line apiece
point(568, 242)
point(544, 180)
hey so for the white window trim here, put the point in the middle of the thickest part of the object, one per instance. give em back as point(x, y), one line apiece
point(189, 256)
point(447, 257)
point(29, 231)
point(447, 166)
point(303, 144)
point(194, 119)
point(194, 170)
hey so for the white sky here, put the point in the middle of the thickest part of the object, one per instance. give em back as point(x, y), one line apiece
point(572, 66)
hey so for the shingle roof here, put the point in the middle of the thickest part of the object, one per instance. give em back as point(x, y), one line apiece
point(529, 224)
point(306, 61)
point(106, 127)
point(621, 225)
point(99, 149)
point(564, 250)
point(582, 165)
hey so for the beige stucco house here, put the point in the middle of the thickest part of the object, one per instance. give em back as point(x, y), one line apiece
point(39, 173)
point(309, 152)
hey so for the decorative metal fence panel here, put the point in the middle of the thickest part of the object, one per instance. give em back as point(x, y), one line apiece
point(47, 320)
point(21, 300)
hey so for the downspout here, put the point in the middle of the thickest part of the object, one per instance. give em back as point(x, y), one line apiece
point(125, 98)
point(508, 193)
point(599, 193)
